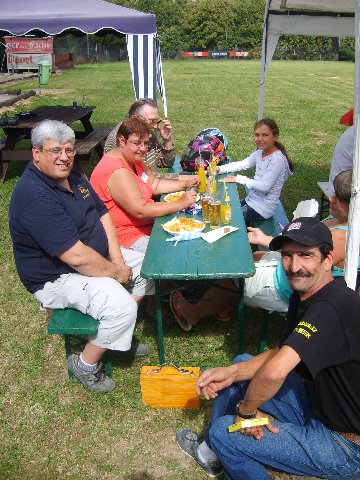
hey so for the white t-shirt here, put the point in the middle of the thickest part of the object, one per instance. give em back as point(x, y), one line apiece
point(342, 157)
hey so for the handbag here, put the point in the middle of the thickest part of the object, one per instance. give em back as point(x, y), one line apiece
point(169, 386)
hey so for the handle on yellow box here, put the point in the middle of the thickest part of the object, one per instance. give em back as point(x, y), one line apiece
point(180, 370)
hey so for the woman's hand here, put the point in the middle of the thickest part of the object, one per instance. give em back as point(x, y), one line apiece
point(188, 198)
point(190, 180)
point(228, 180)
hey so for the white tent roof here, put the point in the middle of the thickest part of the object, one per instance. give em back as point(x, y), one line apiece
point(329, 18)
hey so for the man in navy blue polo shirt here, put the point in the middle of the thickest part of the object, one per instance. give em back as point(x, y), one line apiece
point(66, 250)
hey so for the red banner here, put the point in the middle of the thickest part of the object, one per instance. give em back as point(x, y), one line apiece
point(29, 45)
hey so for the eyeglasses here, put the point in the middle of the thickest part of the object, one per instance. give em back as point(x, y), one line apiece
point(138, 144)
point(152, 121)
point(56, 152)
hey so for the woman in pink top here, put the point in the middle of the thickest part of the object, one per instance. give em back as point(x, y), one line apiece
point(127, 186)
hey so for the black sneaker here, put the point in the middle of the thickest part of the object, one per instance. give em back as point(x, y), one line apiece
point(189, 442)
point(136, 350)
point(97, 380)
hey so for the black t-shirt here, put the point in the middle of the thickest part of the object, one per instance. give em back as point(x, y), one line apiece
point(325, 332)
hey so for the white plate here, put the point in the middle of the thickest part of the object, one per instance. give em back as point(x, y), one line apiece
point(170, 196)
point(199, 227)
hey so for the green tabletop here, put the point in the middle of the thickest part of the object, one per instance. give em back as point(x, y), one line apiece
point(228, 257)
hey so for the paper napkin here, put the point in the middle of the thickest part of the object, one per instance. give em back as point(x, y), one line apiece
point(216, 234)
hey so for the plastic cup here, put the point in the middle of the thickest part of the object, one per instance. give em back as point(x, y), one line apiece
point(205, 208)
point(214, 213)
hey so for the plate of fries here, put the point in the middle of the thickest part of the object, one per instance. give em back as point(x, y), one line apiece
point(175, 196)
point(183, 224)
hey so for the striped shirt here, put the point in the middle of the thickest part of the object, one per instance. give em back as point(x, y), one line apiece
point(156, 157)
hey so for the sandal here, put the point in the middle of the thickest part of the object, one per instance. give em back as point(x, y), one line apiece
point(225, 318)
point(184, 324)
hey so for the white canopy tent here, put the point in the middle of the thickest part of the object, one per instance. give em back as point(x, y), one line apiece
point(330, 18)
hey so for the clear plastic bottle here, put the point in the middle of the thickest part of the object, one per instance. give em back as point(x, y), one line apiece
point(225, 207)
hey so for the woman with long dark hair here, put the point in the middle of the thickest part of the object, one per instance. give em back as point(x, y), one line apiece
point(273, 167)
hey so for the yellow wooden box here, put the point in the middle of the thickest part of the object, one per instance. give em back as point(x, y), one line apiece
point(169, 386)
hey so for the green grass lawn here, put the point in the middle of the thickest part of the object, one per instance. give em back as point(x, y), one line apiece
point(50, 427)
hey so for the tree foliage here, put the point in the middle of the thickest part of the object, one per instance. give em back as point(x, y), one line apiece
point(223, 25)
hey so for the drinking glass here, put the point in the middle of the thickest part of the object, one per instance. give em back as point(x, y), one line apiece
point(205, 199)
point(214, 211)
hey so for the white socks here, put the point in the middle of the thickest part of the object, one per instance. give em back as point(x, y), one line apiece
point(205, 454)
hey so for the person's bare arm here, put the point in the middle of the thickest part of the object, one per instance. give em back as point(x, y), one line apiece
point(88, 261)
point(257, 237)
point(269, 378)
point(126, 193)
point(265, 384)
point(213, 380)
point(339, 242)
point(114, 247)
point(164, 185)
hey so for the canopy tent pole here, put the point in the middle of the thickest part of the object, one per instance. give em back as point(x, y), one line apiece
point(263, 62)
point(160, 76)
point(353, 237)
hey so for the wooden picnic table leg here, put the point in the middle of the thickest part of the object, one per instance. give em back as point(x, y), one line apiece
point(87, 124)
point(159, 322)
point(3, 168)
point(240, 317)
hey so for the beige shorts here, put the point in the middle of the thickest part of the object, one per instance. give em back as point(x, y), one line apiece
point(101, 297)
point(260, 290)
point(134, 257)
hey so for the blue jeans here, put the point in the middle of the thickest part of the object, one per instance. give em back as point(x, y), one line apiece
point(303, 446)
point(250, 215)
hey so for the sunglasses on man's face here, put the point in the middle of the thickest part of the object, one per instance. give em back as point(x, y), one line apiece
point(152, 121)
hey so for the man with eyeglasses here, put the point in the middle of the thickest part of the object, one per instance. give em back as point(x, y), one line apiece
point(67, 253)
point(161, 154)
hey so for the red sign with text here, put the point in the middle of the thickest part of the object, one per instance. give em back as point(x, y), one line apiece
point(26, 53)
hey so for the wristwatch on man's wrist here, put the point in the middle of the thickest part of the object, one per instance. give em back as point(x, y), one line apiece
point(245, 416)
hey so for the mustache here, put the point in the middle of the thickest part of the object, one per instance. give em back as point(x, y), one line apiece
point(299, 274)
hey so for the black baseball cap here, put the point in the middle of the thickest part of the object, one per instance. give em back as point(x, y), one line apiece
point(305, 230)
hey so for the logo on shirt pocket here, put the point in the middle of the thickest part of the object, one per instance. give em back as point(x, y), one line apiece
point(84, 191)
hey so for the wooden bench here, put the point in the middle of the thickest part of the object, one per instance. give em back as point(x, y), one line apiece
point(70, 322)
point(91, 142)
point(7, 156)
point(324, 201)
point(273, 227)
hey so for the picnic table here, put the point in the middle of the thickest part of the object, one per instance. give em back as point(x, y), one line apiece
point(87, 139)
point(197, 260)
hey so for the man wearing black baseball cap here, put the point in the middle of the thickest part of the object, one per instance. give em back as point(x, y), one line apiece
point(310, 384)
point(305, 230)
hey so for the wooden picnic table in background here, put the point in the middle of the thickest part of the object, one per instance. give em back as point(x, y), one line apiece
point(86, 139)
